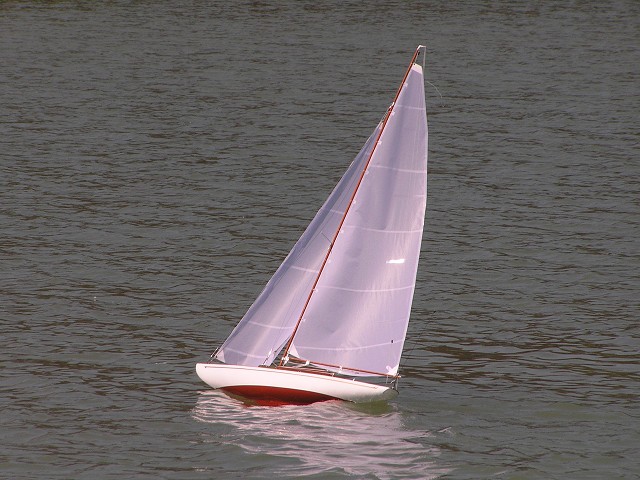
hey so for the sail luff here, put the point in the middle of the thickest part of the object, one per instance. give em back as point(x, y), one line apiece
point(353, 195)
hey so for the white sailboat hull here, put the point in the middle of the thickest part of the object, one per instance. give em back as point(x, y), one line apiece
point(284, 386)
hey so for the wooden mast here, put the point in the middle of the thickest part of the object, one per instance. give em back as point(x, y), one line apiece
point(285, 355)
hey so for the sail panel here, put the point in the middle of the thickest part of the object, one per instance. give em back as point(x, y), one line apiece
point(358, 315)
point(272, 318)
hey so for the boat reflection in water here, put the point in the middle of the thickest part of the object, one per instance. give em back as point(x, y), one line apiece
point(322, 438)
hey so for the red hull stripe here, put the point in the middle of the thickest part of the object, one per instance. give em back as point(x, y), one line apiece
point(277, 395)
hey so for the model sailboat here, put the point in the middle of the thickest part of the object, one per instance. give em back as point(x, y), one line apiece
point(331, 322)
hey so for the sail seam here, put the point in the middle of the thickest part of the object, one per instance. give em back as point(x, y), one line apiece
point(366, 291)
point(379, 230)
point(272, 327)
point(331, 210)
point(405, 170)
point(408, 107)
point(302, 269)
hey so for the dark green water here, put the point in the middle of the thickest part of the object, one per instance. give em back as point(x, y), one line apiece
point(159, 159)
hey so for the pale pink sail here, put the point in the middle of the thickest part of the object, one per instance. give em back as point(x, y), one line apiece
point(357, 315)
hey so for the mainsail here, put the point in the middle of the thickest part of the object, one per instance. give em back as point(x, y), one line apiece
point(362, 276)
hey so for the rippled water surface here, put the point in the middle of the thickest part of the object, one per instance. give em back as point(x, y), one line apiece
point(159, 159)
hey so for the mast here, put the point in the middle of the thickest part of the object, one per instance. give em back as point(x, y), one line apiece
point(387, 115)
